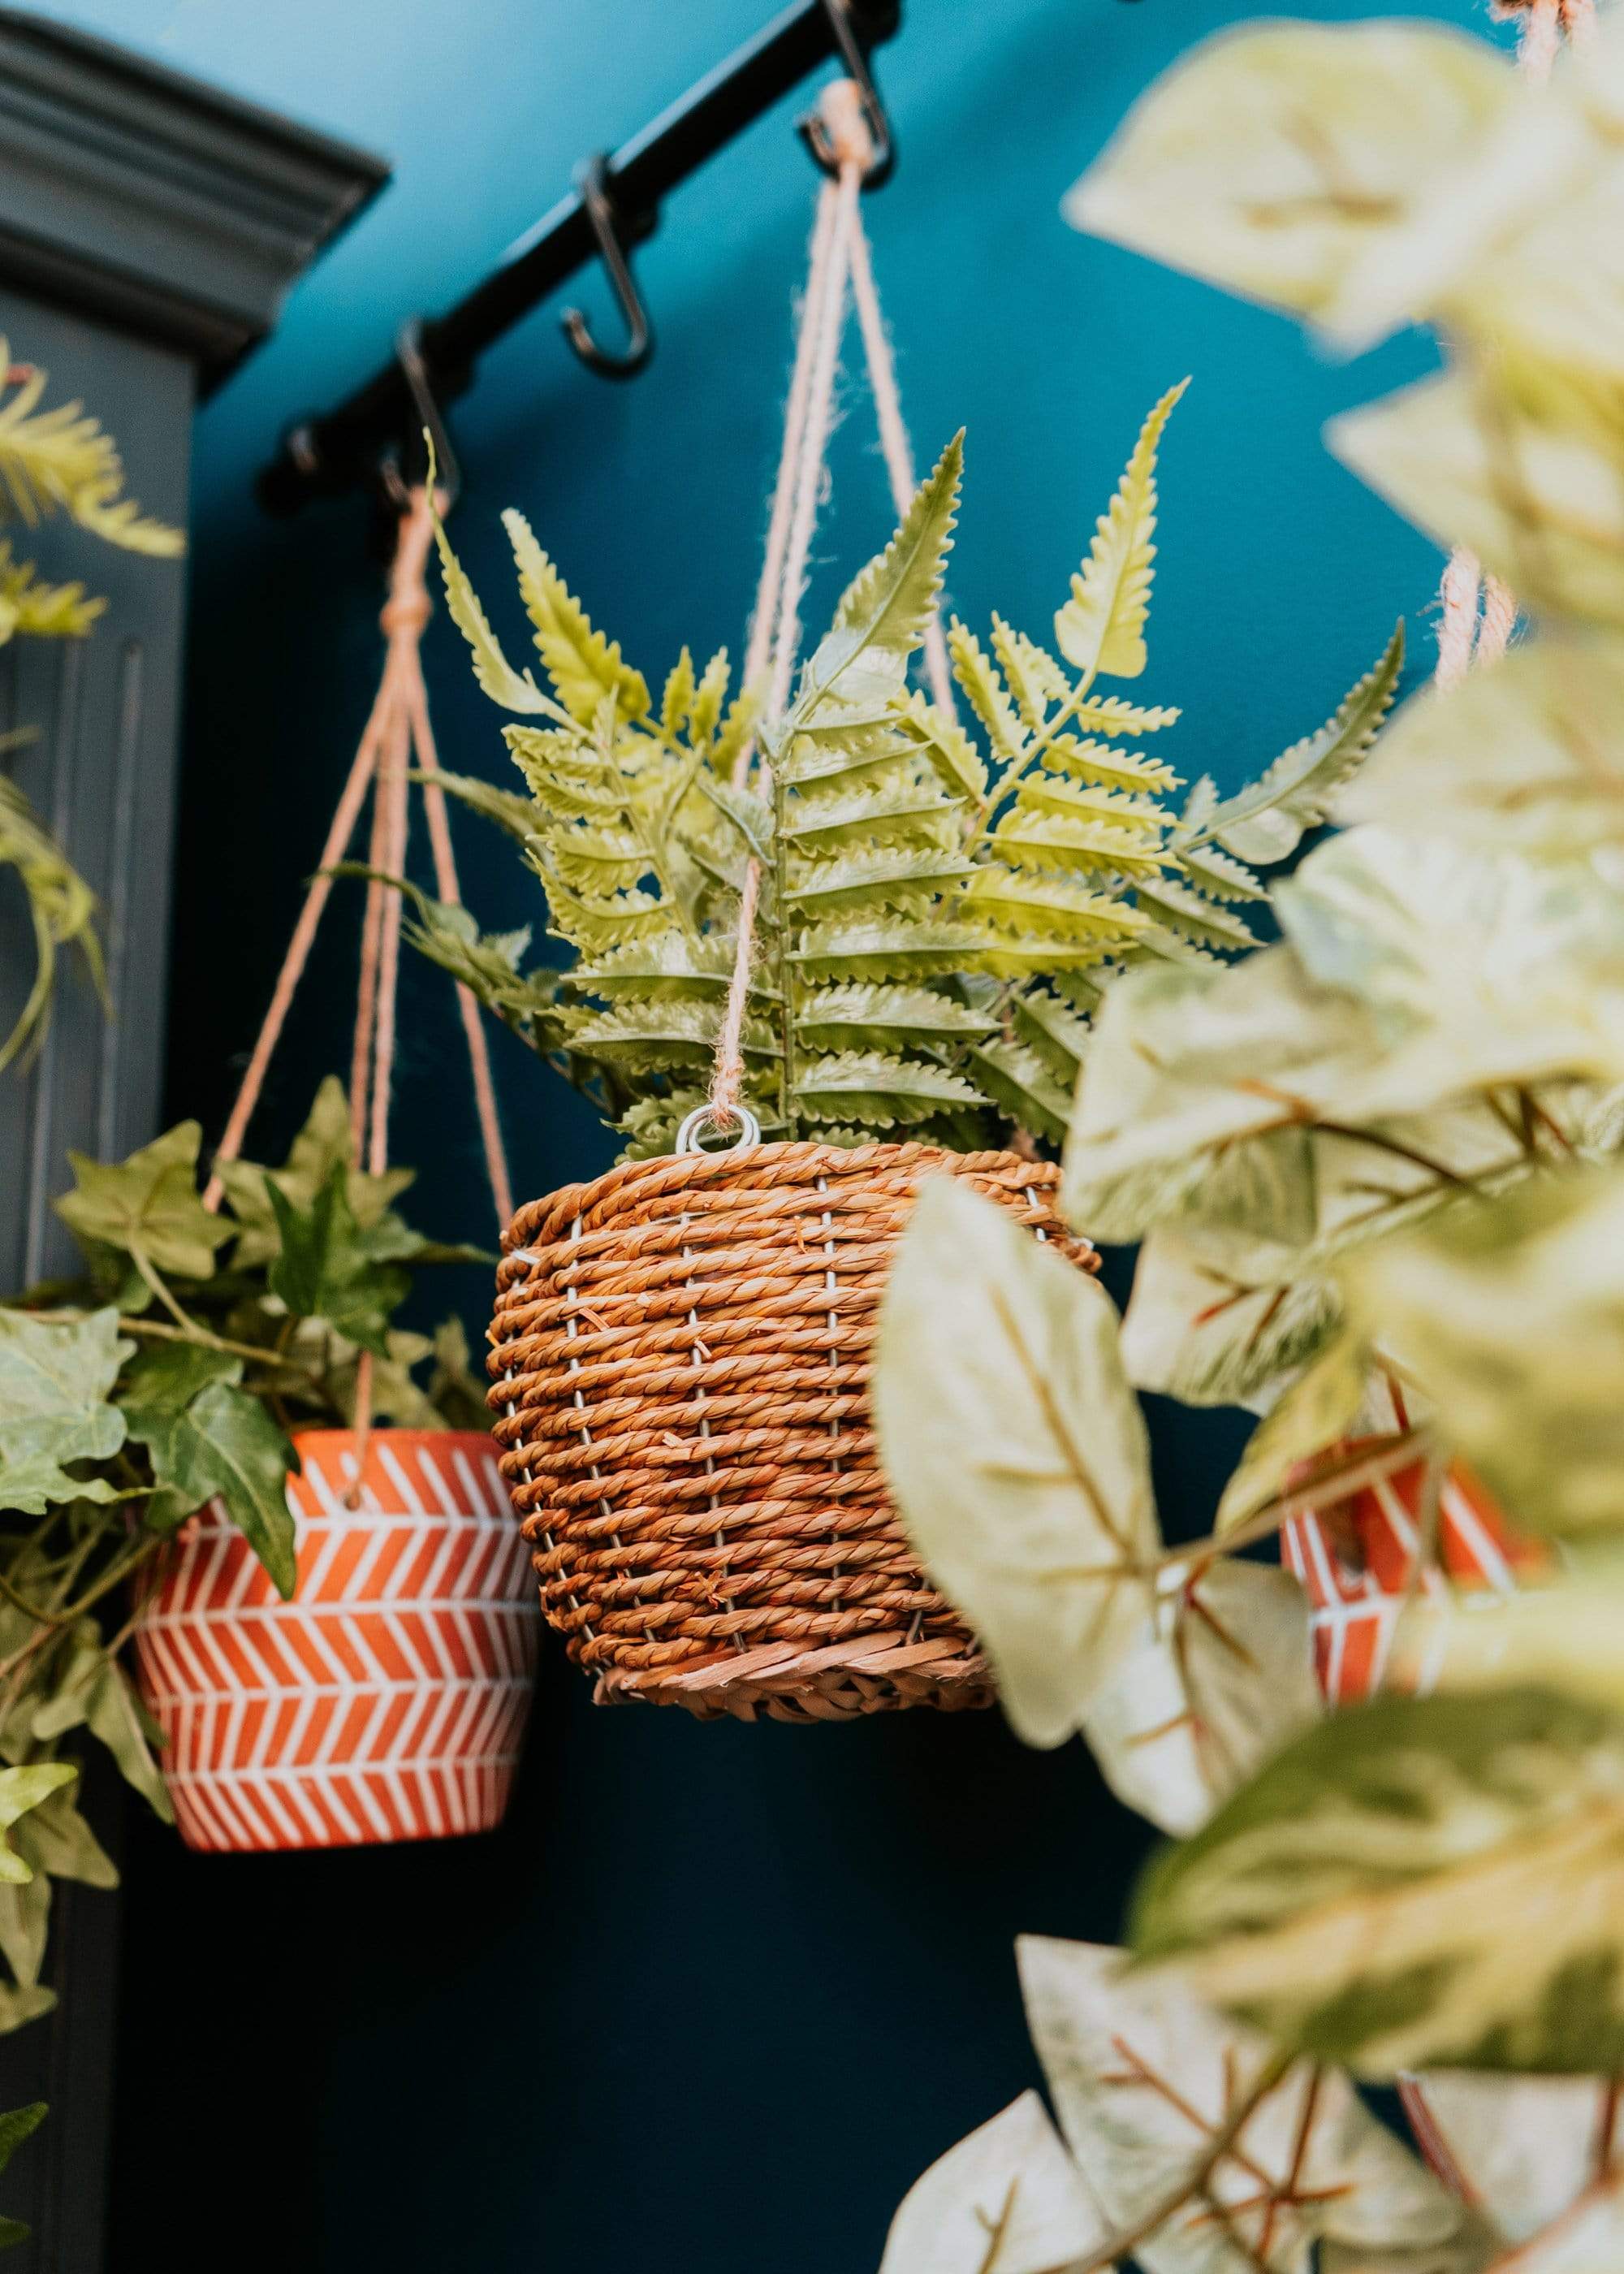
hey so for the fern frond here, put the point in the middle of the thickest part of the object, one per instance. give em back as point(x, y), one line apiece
point(749, 815)
point(1266, 821)
point(1049, 908)
point(582, 664)
point(886, 951)
point(1098, 762)
point(1109, 714)
point(673, 1032)
point(1034, 678)
point(660, 964)
point(1028, 839)
point(599, 926)
point(1102, 627)
point(705, 711)
point(39, 610)
point(883, 1091)
point(887, 1018)
point(514, 691)
point(859, 746)
point(678, 700)
point(736, 730)
point(119, 521)
point(1053, 1029)
point(1055, 792)
point(510, 812)
point(857, 884)
point(1220, 877)
point(596, 862)
point(566, 774)
point(1193, 917)
point(908, 816)
point(984, 691)
point(944, 742)
point(1019, 1080)
point(882, 613)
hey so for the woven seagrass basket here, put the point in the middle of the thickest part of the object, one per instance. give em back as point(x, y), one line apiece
point(681, 1360)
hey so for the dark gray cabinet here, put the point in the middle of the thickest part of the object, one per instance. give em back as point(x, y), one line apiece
point(149, 228)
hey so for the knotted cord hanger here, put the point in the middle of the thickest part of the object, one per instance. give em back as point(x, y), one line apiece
point(397, 732)
point(839, 258)
point(1479, 612)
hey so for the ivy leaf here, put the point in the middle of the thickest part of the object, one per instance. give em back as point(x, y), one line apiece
point(322, 1145)
point(1009, 2197)
point(1526, 2148)
point(1418, 1882)
point(882, 613)
point(1512, 1314)
point(326, 1269)
point(55, 1381)
point(205, 1437)
point(1223, 1681)
point(22, 1789)
point(1522, 758)
point(1016, 1453)
point(15, 2125)
point(148, 1205)
point(1143, 2077)
point(1216, 172)
point(57, 1841)
point(101, 1696)
point(1200, 1080)
point(1102, 627)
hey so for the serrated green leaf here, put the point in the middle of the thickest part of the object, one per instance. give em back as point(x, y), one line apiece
point(583, 665)
point(1016, 1453)
point(56, 1379)
point(514, 691)
point(871, 813)
point(147, 1205)
point(1090, 761)
point(882, 613)
point(869, 884)
point(664, 963)
point(750, 815)
point(885, 951)
point(705, 710)
point(1019, 1079)
point(886, 1091)
point(1102, 627)
point(1419, 1881)
point(1113, 714)
point(1050, 909)
point(1036, 679)
point(984, 691)
point(1027, 838)
point(1266, 821)
point(944, 742)
point(1194, 917)
point(888, 1017)
point(1218, 877)
point(1054, 1029)
point(678, 698)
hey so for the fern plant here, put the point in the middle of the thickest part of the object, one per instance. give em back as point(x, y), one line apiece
point(939, 911)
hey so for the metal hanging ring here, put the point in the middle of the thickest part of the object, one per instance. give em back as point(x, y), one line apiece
point(855, 62)
point(717, 1121)
point(592, 185)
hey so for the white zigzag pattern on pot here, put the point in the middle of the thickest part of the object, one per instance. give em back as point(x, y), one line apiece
point(388, 1701)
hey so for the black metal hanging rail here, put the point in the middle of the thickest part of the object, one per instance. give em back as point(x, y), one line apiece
point(326, 455)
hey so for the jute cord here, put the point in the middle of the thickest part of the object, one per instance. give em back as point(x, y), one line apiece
point(396, 732)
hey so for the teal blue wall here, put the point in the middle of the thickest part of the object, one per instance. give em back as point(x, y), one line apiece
point(716, 1995)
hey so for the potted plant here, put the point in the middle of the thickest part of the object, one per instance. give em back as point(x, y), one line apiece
point(331, 1628)
point(682, 1346)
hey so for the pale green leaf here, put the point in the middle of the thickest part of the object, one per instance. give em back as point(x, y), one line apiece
point(1010, 2179)
point(883, 1091)
point(55, 1381)
point(1017, 1454)
point(1141, 2074)
point(147, 1205)
point(1019, 1080)
point(1305, 1422)
point(1279, 158)
point(1434, 1881)
point(514, 691)
point(1225, 1677)
point(22, 1789)
point(1220, 1316)
point(885, 1017)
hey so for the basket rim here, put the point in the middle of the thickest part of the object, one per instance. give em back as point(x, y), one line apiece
point(740, 1165)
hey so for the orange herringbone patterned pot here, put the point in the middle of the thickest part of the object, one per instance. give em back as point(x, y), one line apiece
point(682, 1350)
point(1358, 1564)
point(387, 1700)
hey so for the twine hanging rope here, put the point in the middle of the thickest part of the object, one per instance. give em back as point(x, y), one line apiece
point(396, 733)
point(839, 259)
point(1479, 612)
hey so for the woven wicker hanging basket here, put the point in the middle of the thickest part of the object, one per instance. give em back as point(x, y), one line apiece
point(681, 1361)
point(387, 1700)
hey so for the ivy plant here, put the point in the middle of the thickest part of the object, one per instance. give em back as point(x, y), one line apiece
point(1374, 1169)
point(171, 1371)
point(942, 906)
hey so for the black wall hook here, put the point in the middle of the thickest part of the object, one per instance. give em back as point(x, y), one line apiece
point(592, 185)
point(855, 59)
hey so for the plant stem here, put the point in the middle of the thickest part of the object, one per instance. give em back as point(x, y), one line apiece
point(1336, 1481)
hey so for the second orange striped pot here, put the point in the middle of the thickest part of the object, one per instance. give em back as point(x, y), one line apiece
point(387, 1700)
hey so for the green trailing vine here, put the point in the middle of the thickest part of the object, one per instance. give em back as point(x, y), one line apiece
point(940, 909)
